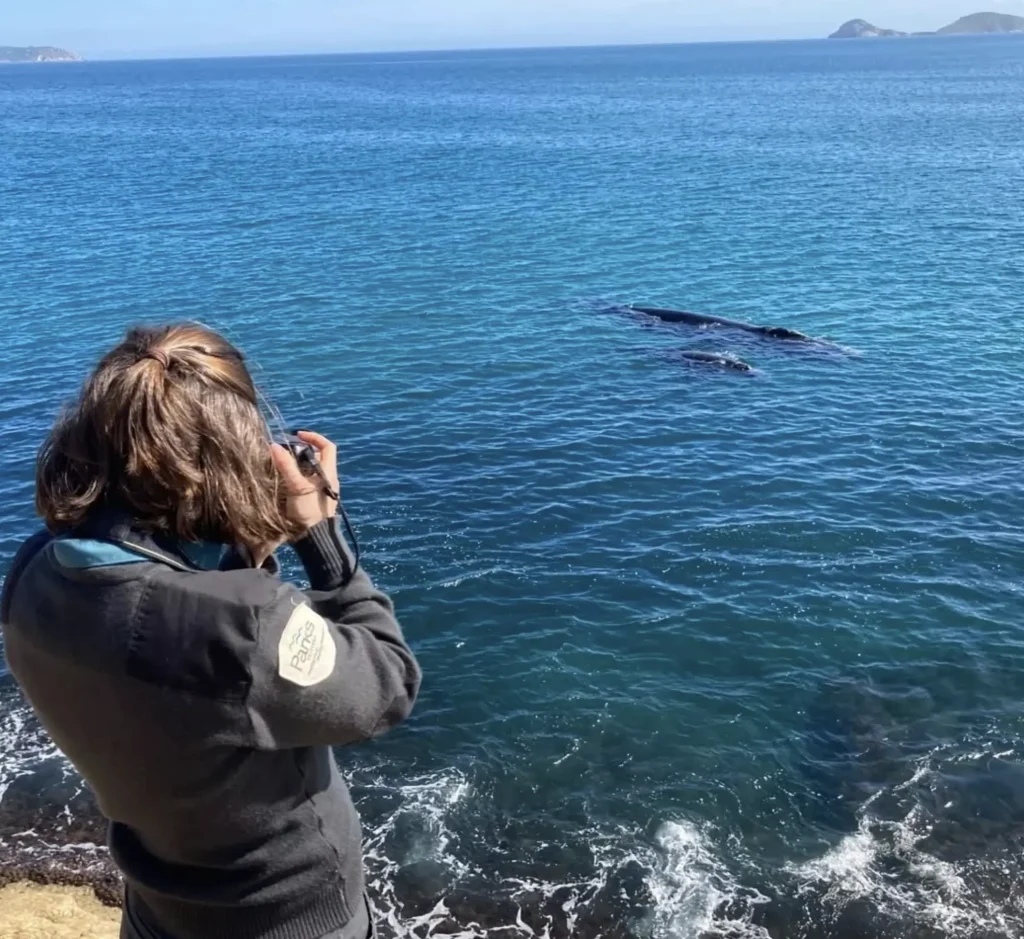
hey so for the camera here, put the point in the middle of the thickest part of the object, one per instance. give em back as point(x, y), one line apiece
point(304, 453)
point(309, 463)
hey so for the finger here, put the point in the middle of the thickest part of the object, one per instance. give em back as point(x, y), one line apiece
point(289, 471)
point(327, 451)
point(326, 447)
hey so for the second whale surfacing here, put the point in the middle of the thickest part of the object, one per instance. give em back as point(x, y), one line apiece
point(717, 359)
point(702, 319)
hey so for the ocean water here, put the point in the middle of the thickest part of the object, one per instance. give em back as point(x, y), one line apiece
point(706, 653)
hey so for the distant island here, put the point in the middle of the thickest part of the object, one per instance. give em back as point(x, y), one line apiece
point(862, 29)
point(9, 54)
point(974, 25)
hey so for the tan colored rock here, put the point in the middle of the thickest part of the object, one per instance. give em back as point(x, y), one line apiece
point(28, 911)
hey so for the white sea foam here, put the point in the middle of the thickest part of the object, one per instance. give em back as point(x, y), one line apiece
point(687, 885)
point(24, 746)
point(932, 891)
point(694, 890)
point(928, 890)
point(427, 801)
point(685, 877)
point(691, 883)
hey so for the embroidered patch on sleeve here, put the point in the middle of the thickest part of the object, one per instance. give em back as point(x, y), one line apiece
point(307, 651)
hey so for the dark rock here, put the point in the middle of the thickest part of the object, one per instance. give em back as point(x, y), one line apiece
point(93, 871)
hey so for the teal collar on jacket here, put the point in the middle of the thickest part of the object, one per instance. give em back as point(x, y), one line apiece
point(86, 553)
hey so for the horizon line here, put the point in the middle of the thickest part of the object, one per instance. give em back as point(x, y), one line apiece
point(484, 49)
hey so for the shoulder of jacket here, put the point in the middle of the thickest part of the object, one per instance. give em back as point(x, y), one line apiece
point(24, 556)
point(244, 589)
point(199, 632)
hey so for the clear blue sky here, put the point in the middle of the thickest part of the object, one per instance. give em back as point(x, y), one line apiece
point(140, 28)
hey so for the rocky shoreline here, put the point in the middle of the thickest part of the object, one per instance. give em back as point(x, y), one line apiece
point(96, 872)
point(52, 832)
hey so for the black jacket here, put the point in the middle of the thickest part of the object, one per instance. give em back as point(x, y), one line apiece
point(200, 706)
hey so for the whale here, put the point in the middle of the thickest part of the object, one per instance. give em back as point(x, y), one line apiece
point(719, 359)
point(702, 319)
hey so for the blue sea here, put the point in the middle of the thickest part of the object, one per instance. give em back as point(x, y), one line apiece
point(707, 653)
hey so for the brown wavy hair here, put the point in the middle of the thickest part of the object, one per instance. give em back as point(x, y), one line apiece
point(168, 428)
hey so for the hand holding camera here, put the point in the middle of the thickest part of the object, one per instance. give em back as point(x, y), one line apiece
point(308, 464)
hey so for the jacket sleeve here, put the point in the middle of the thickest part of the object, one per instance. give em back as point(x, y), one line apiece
point(331, 665)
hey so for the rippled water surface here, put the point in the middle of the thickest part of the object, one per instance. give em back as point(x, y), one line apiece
point(707, 653)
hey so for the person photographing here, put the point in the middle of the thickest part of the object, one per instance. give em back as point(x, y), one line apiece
point(195, 691)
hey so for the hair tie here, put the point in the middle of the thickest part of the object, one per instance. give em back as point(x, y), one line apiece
point(158, 355)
